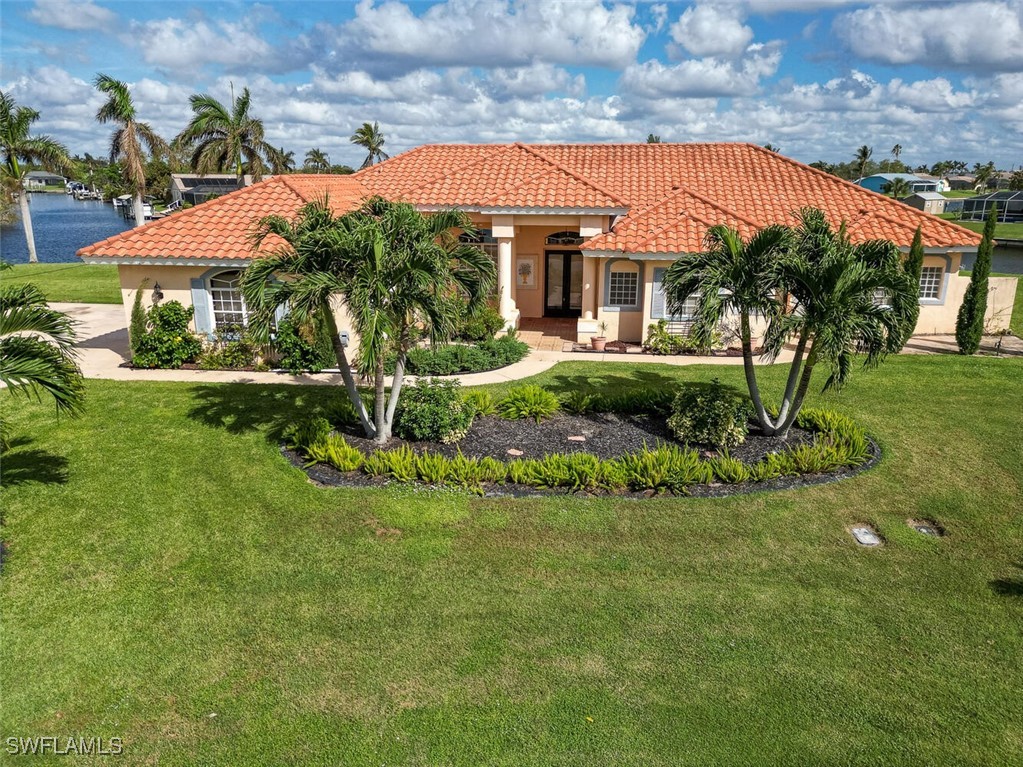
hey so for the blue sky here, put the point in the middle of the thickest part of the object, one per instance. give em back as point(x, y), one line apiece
point(816, 78)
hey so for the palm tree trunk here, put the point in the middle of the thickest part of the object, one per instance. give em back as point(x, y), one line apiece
point(379, 405)
point(797, 402)
point(396, 382)
point(346, 374)
point(26, 222)
point(140, 212)
point(751, 374)
point(790, 385)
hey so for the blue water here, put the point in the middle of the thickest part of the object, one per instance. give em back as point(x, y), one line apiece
point(61, 225)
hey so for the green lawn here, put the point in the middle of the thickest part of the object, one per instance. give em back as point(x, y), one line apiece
point(1003, 231)
point(77, 283)
point(173, 581)
point(957, 194)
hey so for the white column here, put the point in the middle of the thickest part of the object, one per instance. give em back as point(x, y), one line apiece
point(504, 277)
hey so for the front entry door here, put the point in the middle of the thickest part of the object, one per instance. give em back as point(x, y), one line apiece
point(563, 284)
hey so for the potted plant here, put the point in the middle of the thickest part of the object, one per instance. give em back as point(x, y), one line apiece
point(597, 343)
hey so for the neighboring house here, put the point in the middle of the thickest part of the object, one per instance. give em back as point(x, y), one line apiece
point(194, 189)
point(577, 231)
point(962, 183)
point(999, 180)
point(879, 181)
point(940, 184)
point(38, 179)
point(1010, 207)
point(929, 202)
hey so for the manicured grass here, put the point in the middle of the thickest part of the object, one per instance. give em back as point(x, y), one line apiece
point(1003, 231)
point(165, 565)
point(76, 283)
point(959, 194)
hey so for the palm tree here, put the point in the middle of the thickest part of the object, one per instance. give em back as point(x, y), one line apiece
point(391, 267)
point(370, 138)
point(18, 146)
point(772, 148)
point(897, 188)
point(897, 151)
point(37, 349)
point(226, 138)
point(982, 174)
point(317, 161)
point(127, 141)
point(846, 299)
point(733, 276)
point(283, 162)
point(863, 155)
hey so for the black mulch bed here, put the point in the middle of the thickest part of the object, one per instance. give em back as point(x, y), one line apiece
point(608, 435)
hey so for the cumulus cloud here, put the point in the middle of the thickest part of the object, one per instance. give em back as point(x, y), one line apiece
point(388, 38)
point(711, 30)
point(181, 48)
point(980, 35)
point(704, 77)
point(72, 14)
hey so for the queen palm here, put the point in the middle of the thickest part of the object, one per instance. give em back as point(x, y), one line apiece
point(897, 152)
point(732, 276)
point(317, 160)
point(897, 188)
point(19, 146)
point(127, 141)
point(37, 349)
point(284, 162)
point(863, 155)
point(223, 138)
point(390, 266)
point(370, 138)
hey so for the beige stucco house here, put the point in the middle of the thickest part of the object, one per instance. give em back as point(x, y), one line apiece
point(582, 232)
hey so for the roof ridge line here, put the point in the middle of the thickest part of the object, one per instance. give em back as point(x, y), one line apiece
point(716, 205)
point(430, 182)
point(512, 187)
point(185, 213)
point(537, 153)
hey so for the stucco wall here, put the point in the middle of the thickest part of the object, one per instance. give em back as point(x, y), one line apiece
point(175, 283)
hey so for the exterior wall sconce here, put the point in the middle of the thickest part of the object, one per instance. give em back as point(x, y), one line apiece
point(157, 293)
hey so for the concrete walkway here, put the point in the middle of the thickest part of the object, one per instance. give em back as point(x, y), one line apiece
point(103, 346)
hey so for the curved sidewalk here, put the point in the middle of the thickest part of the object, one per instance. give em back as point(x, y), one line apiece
point(103, 349)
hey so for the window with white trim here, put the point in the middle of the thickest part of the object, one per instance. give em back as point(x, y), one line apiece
point(930, 281)
point(485, 241)
point(623, 289)
point(881, 298)
point(229, 308)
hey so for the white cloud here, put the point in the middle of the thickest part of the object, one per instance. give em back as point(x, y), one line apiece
point(72, 14)
point(709, 30)
point(706, 77)
point(981, 35)
point(182, 48)
point(389, 37)
point(859, 92)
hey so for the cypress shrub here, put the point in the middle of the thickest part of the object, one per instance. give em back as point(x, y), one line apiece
point(137, 327)
point(970, 321)
point(914, 268)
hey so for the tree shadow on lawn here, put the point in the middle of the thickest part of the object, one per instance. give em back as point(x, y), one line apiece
point(244, 407)
point(1011, 586)
point(20, 465)
point(613, 384)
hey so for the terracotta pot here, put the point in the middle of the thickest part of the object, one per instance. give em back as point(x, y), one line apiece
point(598, 343)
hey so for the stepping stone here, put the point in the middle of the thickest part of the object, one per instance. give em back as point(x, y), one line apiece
point(513, 451)
point(577, 439)
point(865, 536)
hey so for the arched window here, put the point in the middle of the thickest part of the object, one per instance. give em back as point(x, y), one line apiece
point(228, 305)
point(564, 238)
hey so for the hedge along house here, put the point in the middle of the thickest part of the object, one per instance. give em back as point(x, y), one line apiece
point(583, 232)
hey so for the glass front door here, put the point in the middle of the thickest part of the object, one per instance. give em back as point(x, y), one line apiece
point(563, 284)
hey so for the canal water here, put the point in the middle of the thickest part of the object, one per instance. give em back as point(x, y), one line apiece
point(61, 225)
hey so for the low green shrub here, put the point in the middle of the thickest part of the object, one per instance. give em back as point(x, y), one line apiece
point(433, 411)
point(481, 401)
point(232, 349)
point(299, 436)
point(529, 401)
point(479, 325)
point(400, 464)
point(772, 466)
point(579, 403)
point(492, 470)
point(432, 468)
point(660, 341)
point(450, 359)
point(334, 450)
point(168, 343)
point(377, 464)
point(728, 469)
point(667, 467)
point(303, 348)
point(711, 415)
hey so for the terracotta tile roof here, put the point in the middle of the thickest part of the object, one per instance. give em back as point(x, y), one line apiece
point(220, 228)
point(674, 191)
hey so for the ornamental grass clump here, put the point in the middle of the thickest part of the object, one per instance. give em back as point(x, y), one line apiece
point(481, 401)
point(335, 451)
point(729, 470)
point(665, 468)
point(710, 415)
point(529, 401)
point(299, 436)
point(433, 468)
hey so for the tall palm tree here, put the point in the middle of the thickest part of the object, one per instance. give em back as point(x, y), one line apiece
point(897, 151)
point(284, 162)
point(317, 160)
point(835, 311)
point(370, 138)
point(732, 276)
point(897, 188)
point(18, 147)
point(390, 266)
point(37, 349)
point(224, 138)
point(126, 143)
point(863, 155)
